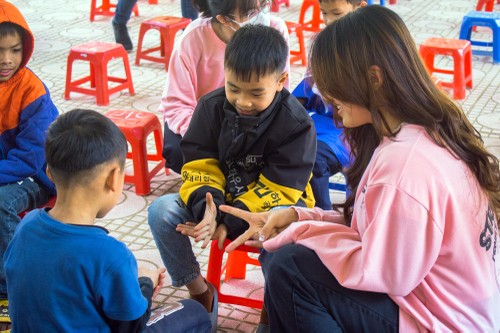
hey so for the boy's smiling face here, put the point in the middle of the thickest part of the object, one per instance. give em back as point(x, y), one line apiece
point(11, 55)
point(332, 10)
point(253, 97)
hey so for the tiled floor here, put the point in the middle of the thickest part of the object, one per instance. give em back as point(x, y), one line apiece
point(60, 24)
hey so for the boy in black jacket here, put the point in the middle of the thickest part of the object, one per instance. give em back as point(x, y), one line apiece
point(250, 145)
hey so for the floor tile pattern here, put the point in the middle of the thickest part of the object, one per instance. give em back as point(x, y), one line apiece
point(60, 24)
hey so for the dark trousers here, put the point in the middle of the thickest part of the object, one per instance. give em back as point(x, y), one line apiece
point(301, 295)
point(188, 10)
point(186, 316)
point(172, 150)
point(325, 166)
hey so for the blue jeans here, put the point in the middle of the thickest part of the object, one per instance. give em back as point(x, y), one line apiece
point(123, 11)
point(302, 295)
point(175, 249)
point(325, 166)
point(188, 10)
point(14, 199)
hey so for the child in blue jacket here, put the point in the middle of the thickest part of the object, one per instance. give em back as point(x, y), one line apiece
point(26, 112)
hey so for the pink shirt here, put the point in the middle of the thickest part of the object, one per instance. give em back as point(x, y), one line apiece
point(421, 232)
point(196, 68)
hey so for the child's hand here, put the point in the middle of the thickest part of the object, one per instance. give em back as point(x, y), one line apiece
point(220, 234)
point(206, 228)
point(263, 226)
point(156, 275)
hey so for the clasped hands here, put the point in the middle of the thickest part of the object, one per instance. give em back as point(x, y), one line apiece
point(262, 226)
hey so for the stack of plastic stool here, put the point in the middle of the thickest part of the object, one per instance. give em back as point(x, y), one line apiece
point(106, 9)
point(168, 26)
point(98, 54)
point(460, 51)
point(314, 24)
point(483, 19)
point(136, 126)
point(300, 54)
point(235, 268)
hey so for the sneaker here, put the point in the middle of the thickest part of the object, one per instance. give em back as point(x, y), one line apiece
point(122, 36)
point(4, 315)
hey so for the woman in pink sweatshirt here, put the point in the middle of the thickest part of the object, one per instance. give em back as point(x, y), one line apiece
point(197, 63)
point(416, 247)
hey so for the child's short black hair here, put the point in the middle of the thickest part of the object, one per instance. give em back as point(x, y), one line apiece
point(11, 29)
point(256, 49)
point(78, 142)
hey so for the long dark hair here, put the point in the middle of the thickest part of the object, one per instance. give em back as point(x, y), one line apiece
point(212, 8)
point(374, 35)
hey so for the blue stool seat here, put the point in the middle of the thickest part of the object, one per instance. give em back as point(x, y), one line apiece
point(370, 2)
point(483, 19)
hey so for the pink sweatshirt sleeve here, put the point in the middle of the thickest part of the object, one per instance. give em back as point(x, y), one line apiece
point(388, 255)
point(179, 97)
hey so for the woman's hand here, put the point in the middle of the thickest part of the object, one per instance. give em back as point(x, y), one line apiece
point(263, 226)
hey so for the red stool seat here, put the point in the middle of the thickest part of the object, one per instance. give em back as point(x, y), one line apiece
point(460, 51)
point(235, 268)
point(275, 5)
point(98, 54)
point(314, 24)
point(106, 9)
point(136, 126)
point(168, 26)
point(297, 55)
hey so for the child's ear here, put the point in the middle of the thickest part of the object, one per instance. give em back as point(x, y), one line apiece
point(222, 19)
point(49, 173)
point(281, 81)
point(113, 178)
point(362, 4)
point(376, 77)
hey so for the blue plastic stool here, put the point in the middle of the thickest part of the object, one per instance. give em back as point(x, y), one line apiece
point(483, 19)
point(370, 2)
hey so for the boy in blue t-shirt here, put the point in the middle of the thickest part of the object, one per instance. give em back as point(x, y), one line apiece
point(64, 274)
point(332, 156)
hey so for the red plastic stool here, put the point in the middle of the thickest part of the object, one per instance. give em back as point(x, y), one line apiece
point(168, 27)
point(235, 268)
point(106, 9)
point(153, 2)
point(136, 126)
point(295, 55)
point(98, 54)
point(275, 5)
point(437, 81)
point(50, 203)
point(314, 24)
point(488, 5)
point(460, 51)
